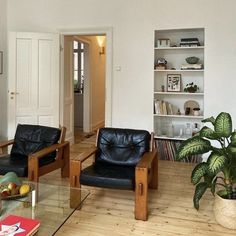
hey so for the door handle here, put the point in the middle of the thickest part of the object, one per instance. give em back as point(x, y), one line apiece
point(14, 93)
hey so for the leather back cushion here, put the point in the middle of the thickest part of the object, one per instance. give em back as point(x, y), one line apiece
point(32, 138)
point(122, 146)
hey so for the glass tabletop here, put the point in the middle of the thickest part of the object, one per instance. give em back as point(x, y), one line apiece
point(53, 206)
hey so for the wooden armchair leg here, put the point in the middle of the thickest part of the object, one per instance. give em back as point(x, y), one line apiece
point(66, 161)
point(141, 193)
point(154, 170)
point(75, 192)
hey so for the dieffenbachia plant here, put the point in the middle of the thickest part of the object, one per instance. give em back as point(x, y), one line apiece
point(220, 167)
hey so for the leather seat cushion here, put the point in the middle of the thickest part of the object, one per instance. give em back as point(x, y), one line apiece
point(19, 164)
point(108, 176)
point(122, 146)
point(32, 138)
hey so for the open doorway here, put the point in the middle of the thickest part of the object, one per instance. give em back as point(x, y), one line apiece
point(84, 83)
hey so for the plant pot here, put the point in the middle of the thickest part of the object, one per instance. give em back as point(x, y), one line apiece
point(225, 212)
point(191, 90)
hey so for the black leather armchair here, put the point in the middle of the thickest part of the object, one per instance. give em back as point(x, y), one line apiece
point(124, 159)
point(36, 150)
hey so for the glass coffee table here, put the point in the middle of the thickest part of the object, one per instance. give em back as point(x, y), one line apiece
point(54, 205)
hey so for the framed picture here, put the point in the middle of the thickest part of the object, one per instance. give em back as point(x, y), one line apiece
point(173, 82)
point(1, 62)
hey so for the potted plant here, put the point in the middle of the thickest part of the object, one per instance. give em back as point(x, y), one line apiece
point(191, 88)
point(219, 171)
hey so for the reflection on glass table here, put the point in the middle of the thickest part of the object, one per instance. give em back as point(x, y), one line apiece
point(53, 205)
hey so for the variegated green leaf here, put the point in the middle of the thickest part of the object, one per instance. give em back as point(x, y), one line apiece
point(193, 146)
point(199, 171)
point(223, 125)
point(210, 119)
point(208, 133)
point(231, 148)
point(216, 163)
point(233, 138)
point(199, 191)
point(233, 176)
point(213, 186)
point(208, 178)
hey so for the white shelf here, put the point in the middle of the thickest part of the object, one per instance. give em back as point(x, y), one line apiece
point(179, 93)
point(179, 48)
point(202, 70)
point(171, 138)
point(175, 58)
point(180, 116)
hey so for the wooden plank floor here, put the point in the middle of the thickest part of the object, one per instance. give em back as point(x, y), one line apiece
point(171, 212)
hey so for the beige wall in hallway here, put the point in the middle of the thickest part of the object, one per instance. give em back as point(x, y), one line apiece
point(97, 81)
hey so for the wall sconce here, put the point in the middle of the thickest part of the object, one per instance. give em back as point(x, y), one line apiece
point(101, 43)
point(102, 50)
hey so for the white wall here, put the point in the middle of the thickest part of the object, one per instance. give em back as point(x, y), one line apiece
point(134, 22)
point(3, 77)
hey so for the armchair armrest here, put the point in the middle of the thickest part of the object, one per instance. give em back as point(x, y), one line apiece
point(6, 143)
point(147, 159)
point(48, 150)
point(85, 155)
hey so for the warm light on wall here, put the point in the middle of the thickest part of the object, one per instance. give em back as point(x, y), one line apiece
point(101, 42)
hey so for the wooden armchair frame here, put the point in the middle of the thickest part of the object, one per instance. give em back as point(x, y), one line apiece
point(61, 159)
point(146, 176)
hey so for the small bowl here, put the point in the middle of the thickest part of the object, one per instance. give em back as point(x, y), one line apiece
point(192, 60)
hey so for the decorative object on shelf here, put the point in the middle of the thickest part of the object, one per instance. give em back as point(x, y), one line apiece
point(187, 111)
point(191, 88)
point(188, 130)
point(178, 112)
point(162, 43)
point(192, 64)
point(189, 42)
point(192, 60)
point(218, 170)
point(195, 129)
point(190, 104)
point(173, 82)
point(163, 88)
point(160, 64)
point(196, 111)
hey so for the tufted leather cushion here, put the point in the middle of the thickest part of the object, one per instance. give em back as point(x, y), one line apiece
point(32, 138)
point(29, 139)
point(108, 176)
point(122, 146)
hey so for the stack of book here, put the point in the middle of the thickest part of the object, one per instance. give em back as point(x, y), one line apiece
point(198, 66)
point(167, 151)
point(163, 108)
point(189, 42)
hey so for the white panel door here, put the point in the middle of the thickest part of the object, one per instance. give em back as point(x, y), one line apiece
point(33, 80)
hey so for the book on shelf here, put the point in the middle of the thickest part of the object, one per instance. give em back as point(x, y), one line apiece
point(191, 67)
point(18, 225)
point(189, 42)
point(163, 108)
point(167, 151)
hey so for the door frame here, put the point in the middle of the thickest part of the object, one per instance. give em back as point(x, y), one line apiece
point(107, 31)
